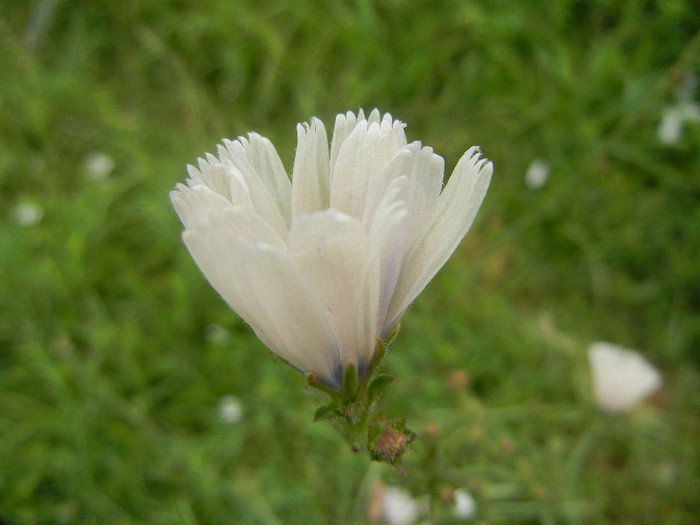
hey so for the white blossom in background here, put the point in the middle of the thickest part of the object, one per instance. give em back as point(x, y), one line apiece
point(99, 165)
point(465, 506)
point(674, 119)
point(325, 264)
point(622, 378)
point(28, 213)
point(685, 110)
point(230, 409)
point(537, 174)
point(398, 507)
point(216, 334)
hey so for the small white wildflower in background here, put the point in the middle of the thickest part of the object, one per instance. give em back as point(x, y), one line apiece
point(465, 506)
point(670, 130)
point(537, 174)
point(216, 334)
point(67, 512)
point(684, 111)
point(28, 213)
point(99, 165)
point(398, 507)
point(230, 409)
point(622, 378)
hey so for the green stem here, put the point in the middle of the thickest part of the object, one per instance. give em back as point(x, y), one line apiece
point(352, 406)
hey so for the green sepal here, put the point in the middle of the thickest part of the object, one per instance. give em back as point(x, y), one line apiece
point(377, 357)
point(350, 382)
point(326, 412)
point(390, 338)
point(377, 386)
point(313, 381)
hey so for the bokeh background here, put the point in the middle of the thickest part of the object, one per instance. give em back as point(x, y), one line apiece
point(130, 393)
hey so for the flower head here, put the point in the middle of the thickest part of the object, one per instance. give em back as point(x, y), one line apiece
point(465, 506)
point(537, 174)
point(398, 507)
point(622, 378)
point(230, 409)
point(99, 165)
point(324, 264)
point(28, 213)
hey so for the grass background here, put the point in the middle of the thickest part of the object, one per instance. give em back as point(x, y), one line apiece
point(115, 352)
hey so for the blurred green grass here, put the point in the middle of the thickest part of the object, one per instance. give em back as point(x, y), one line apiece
point(111, 373)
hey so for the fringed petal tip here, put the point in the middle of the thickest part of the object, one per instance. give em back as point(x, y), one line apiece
point(385, 120)
point(314, 124)
point(477, 164)
point(475, 156)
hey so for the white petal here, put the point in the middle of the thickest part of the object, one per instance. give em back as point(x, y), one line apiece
point(224, 179)
point(424, 173)
point(424, 184)
point(451, 219)
point(330, 249)
point(367, 312)
point(244, 224)
point(387, 238)
point(375, 117)
point(398, 166)
point(269, 188)
point(344, 124)
point(351, 173)
point(311, 177)
point(263, 157)
point(194, 204)
point(199, 206)
point(621, 377)
point(264, 287)
point(360, 158)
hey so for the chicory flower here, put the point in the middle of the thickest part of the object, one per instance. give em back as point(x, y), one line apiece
point(325, 264)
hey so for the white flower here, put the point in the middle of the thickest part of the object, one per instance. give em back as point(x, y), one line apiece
point(216, 334)
point(621, 377)
point(670, 130)
point(465, 506)
point(537, 174)
point(28, 213)
point(685, 110)
point(99, 165)
point(322, 266)
point(230, 409)
point(398, 507)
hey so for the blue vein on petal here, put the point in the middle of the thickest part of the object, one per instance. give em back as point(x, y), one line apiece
point(336, 381)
